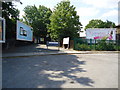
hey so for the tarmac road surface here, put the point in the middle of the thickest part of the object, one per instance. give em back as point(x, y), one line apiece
point(61, 71)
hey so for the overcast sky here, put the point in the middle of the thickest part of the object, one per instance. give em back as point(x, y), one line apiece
point(86, 9)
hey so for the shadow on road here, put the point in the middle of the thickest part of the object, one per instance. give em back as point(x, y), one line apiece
point(29, 49)
point(53, 71)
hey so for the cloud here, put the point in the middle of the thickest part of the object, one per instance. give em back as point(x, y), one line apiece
point(21, 14)
point(110, 14)
point(86, 14)
point(85, 11)
point(102, 3)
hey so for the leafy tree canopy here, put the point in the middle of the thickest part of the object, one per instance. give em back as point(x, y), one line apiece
point(38, 18)
point(11, 14)
point(64, 21)
point(95, 23)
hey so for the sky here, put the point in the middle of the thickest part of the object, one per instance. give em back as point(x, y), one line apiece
point(86, 9)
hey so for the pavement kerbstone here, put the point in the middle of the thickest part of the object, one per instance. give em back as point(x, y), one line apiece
point(8, 55)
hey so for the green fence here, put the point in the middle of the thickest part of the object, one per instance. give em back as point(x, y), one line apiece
point(92, 44)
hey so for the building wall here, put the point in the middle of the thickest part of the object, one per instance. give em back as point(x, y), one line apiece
point(118, 33)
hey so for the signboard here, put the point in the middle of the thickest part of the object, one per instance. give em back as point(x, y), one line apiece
point(24, 32)
point(2, 30)
point(101, 33)
point(66, 40)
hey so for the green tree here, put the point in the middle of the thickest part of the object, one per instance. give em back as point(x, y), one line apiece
point(95, 23)
point(11, 15)
point(109, 24)
point(64, 21)
point(38, 18)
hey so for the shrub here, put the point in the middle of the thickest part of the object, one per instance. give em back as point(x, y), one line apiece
point(83, 47)
point(103, 46)
point(117, 48)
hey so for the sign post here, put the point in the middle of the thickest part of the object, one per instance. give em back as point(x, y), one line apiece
point(66, 42)
point(2, 30)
